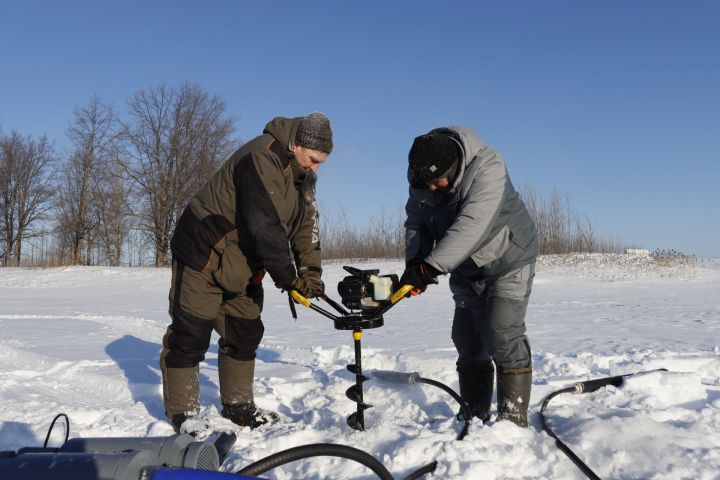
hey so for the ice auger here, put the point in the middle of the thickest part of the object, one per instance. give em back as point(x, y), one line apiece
point(368, 296)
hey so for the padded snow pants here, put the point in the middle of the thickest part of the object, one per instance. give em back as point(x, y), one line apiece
point(198, 305)
point(489, 321)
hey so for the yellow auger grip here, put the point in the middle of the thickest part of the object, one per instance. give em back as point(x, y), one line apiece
point(402, 291)
point(299, 298)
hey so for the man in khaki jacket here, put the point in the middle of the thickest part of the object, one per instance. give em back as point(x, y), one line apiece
point(256, 214)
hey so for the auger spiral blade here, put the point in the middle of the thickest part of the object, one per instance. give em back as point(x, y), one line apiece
point(356, 395)
point(358, 373)
point(356, 421)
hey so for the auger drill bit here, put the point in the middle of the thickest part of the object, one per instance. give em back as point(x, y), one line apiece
point(355, 393)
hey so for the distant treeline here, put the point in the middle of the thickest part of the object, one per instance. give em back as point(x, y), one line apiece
point(115, 196)
point(560, 230)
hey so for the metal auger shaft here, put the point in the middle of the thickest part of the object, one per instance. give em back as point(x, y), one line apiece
point(355, 393)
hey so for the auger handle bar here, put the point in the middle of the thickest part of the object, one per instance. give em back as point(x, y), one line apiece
point(394, 299)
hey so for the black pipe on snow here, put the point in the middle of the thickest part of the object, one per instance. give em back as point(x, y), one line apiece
point(413, 378)
point(316, 450)
point(467, 413)
point(424, 470)
point(560, 444)
point(223, 445)
point(587, 386)
point(67, 428)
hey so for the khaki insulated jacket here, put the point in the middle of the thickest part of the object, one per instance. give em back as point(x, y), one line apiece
point(258, 211)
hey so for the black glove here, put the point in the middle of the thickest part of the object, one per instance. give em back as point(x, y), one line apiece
point(419, 274)
point(314, 283)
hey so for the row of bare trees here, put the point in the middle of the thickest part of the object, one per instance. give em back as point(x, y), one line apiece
point(124, 178)
point(115, 195)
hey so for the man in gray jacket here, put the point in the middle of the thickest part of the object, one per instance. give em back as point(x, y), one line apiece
point(465, 218)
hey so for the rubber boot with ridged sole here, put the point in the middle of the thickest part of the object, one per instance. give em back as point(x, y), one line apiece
point(476, 388)
point(513, 394)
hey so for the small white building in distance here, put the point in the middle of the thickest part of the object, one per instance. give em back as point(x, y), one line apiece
point(637, 252)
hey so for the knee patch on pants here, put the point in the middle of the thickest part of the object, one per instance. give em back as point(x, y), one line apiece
point(468, 340)
point(241, 337)
point(187, 340)
point(510, 347)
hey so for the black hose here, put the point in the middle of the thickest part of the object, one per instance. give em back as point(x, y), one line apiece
point(560, 444)
point(413, 378)
point(467, 413)
point(223, 445)
point(316, 450)
point(425, 469)
point(67, 428)
point(587, 386)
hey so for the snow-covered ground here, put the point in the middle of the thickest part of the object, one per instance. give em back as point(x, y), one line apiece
point(85, 341)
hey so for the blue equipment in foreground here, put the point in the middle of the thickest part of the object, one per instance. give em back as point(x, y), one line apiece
point(188, 474)
point(177, 457)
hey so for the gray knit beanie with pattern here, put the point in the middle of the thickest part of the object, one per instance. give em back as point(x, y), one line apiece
point(315, 133)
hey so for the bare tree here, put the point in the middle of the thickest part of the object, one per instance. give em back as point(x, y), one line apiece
point(7, 200)
point(175, 139)
point(25, 190)
point(113, 203)
point(93, 136)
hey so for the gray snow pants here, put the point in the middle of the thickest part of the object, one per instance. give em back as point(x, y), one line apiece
point(489, 322)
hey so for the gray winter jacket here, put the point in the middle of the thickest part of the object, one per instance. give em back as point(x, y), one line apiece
point(480, 226)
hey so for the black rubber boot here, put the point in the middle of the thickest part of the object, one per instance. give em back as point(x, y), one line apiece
point(476, 388)
point(249, 415)
point(191, 424)
point(513, 395)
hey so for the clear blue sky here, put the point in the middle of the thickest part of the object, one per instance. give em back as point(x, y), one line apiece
point(615, 103)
